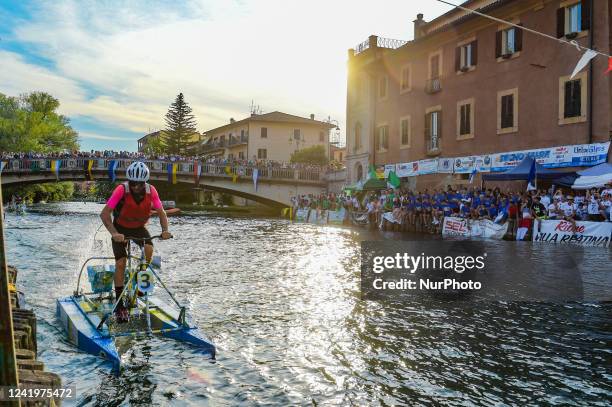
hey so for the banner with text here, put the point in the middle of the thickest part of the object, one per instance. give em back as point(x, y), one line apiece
point(453, 226)
point(561, 231)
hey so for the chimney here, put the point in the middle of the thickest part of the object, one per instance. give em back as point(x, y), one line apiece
point(232, 120)
point(418, 24)
point(311, 116)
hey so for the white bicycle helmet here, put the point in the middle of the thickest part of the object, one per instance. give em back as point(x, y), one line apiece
point(137, 171)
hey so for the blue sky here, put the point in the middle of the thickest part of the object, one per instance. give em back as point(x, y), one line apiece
point(116, 66)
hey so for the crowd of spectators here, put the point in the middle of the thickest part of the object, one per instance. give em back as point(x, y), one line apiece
point(425, 210)
point(109, 154)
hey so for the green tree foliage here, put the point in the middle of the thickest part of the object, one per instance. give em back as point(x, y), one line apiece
point(155, 146)
point(180, 126)
point(31, 123)
point(314, 155)
point(50, 192)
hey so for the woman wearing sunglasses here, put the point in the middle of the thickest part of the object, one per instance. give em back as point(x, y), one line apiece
point(130, 206)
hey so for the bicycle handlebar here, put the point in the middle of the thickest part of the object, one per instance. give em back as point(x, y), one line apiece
point(143, 239)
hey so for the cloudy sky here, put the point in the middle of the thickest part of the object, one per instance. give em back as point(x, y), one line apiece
point(117, 65)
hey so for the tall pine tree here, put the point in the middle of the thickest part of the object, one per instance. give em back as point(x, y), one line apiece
point(180, 126)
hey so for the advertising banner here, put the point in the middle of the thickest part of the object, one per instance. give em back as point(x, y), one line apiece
point(336, 217)
point(445, 165)
point(407, 169)
point(301, 215)
point(554, 157)
point(388, 169)
point(485, 228)
point(464, 165)
point(428, 166)
point(560, 231)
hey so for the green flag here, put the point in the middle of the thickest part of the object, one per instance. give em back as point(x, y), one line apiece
point(372, 172)
point(393, 180)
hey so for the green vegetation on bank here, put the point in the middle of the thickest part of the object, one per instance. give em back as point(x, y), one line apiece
point(31, 123)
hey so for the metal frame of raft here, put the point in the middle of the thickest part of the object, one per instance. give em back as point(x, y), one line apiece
point(85, 320)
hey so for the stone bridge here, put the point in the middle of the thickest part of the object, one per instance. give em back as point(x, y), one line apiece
point(275, 186)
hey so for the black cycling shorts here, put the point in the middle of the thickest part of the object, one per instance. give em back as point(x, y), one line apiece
point(120, 249)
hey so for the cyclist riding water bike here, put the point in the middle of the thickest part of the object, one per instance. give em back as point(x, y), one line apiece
point(125, 214)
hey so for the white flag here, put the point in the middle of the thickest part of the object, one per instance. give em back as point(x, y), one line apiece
point(255, 176)
point(586, 57)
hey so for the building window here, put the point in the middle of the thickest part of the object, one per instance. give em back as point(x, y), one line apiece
point(262, 153)
point(405, 79)
point(241, 155)
point(507, 111)
point(508, 42)
point(382, 139)
point(359, 171)
point(433, 130)
point(321, 137)
point(573, 99)
point(230, 156)
point(357, 144)
point(242, 134)
point(264, 132)
point(296, 134)
point(383, 83)
point(434, 67)
point(573, 19)
point(572, 107)
point(465, 119)
point(405, 131)
point(466, 56)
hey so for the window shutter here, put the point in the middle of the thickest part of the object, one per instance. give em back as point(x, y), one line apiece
point(457, 58)
point(560, 22)
point(427, 126)
point(474, 52)
point(498, 44)
point(577, 98)
point(440, 124)
point(518, 38)
point(586, 14)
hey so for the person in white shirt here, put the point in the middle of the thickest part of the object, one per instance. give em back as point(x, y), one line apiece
point(553, 209)
point(594, 207)
point(568, 208)
point(545, 200)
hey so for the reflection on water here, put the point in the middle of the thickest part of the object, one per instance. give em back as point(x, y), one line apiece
point(281, 301)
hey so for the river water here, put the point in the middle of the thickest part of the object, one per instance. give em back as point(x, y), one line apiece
point(281, 302)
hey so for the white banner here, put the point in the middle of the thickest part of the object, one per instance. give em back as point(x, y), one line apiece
point(485, 228)
point(336, 217)
point(445, 165)
point(560, 231)
point(554, 157)
point(428, 166)
point(407, 169)
point(301, 215)
point(388, 169)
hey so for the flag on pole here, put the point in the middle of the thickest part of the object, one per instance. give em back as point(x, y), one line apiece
point(372, 172)
point(228, 170)
point(255, 176)
point(586, 57)
point(532, 177)
point(393, 181)
point(172, 168)
point(234, 178)
point(2, 165)
point(609, 65)
point(112, 167)
point(88, 165)
point(55, 166)
point(473, 174)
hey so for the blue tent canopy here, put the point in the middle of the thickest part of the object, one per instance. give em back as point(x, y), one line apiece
point(521, 173)
point(601, 169)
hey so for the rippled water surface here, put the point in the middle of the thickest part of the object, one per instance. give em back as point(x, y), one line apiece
point(281, 302)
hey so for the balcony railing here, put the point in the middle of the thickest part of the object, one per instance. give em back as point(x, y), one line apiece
point(433, 85)
point(432, 144)
point(238, 140)
point(186, 168)
point(389, 43)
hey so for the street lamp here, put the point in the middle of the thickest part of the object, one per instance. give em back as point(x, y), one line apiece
point(336, 136)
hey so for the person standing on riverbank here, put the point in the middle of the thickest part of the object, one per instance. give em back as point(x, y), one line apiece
point(130, 206)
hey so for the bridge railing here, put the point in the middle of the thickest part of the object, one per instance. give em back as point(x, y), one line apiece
point(24, 166)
